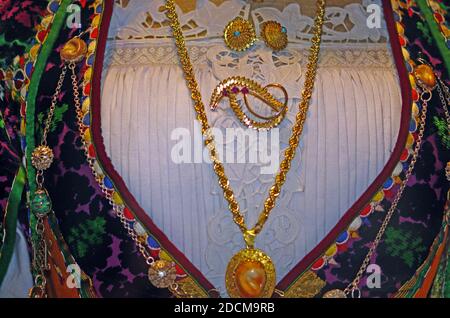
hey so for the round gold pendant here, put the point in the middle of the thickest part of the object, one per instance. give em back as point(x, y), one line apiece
point(250, 274)
point(162, 274)
point(74, 50)
point(335, 293)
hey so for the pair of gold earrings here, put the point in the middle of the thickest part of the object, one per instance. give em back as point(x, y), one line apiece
point(240, 35)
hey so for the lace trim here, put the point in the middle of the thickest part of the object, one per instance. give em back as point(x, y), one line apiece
point(219, 56)
point(145, 20)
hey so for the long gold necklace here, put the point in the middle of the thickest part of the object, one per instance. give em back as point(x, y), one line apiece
point(250, 272)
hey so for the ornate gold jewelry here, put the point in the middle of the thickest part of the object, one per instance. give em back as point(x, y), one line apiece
point(74, 50)
point(250, 274)
point(162, 274)
point(274, 35)
point(239, 34)
point(42, 157)
point(425, 76)
point(233, 86)
point(249, 235)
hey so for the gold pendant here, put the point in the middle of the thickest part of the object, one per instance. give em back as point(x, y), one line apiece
point(335, 293)
point(250, 274)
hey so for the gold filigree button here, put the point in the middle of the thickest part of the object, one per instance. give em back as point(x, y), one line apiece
point(74, 50)
point(425, 76)
point(162, 274)
point(239, 34)
point(274, 35)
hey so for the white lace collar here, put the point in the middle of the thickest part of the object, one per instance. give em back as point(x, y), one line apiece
point(142, 20)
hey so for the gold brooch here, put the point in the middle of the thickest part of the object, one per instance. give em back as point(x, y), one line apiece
point(233, 86)
point(239, 34)
point(274, 35)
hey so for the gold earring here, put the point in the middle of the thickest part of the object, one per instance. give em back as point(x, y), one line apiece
point(274, 35)
point(239, 34)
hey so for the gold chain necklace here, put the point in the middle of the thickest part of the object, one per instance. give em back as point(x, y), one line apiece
point(251, 272)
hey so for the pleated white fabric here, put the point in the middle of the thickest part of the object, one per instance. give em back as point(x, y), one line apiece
point(350, 132)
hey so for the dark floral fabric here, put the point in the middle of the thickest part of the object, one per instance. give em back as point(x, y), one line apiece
point(18, 20)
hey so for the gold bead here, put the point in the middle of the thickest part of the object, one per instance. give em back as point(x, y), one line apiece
point(425, 76)
point(74, 50)
point(42, 158)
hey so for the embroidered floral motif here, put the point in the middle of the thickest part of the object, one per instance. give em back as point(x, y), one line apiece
point(57, 117)
point(87, 234)
point(403, 244)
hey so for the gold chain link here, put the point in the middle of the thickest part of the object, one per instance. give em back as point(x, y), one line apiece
point(51, 110)
point(445, 100)
point(274, 192)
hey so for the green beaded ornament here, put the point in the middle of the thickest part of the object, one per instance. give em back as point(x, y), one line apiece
point(41, 204)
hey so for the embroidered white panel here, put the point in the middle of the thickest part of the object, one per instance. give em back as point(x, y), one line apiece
point(350, 132)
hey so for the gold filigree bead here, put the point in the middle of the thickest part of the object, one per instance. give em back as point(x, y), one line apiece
point(239, 34)
point(162, 273)
point(335, 293)
point(425, 76)
point(274, 35)
point(74, 50)
point(42, 158)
